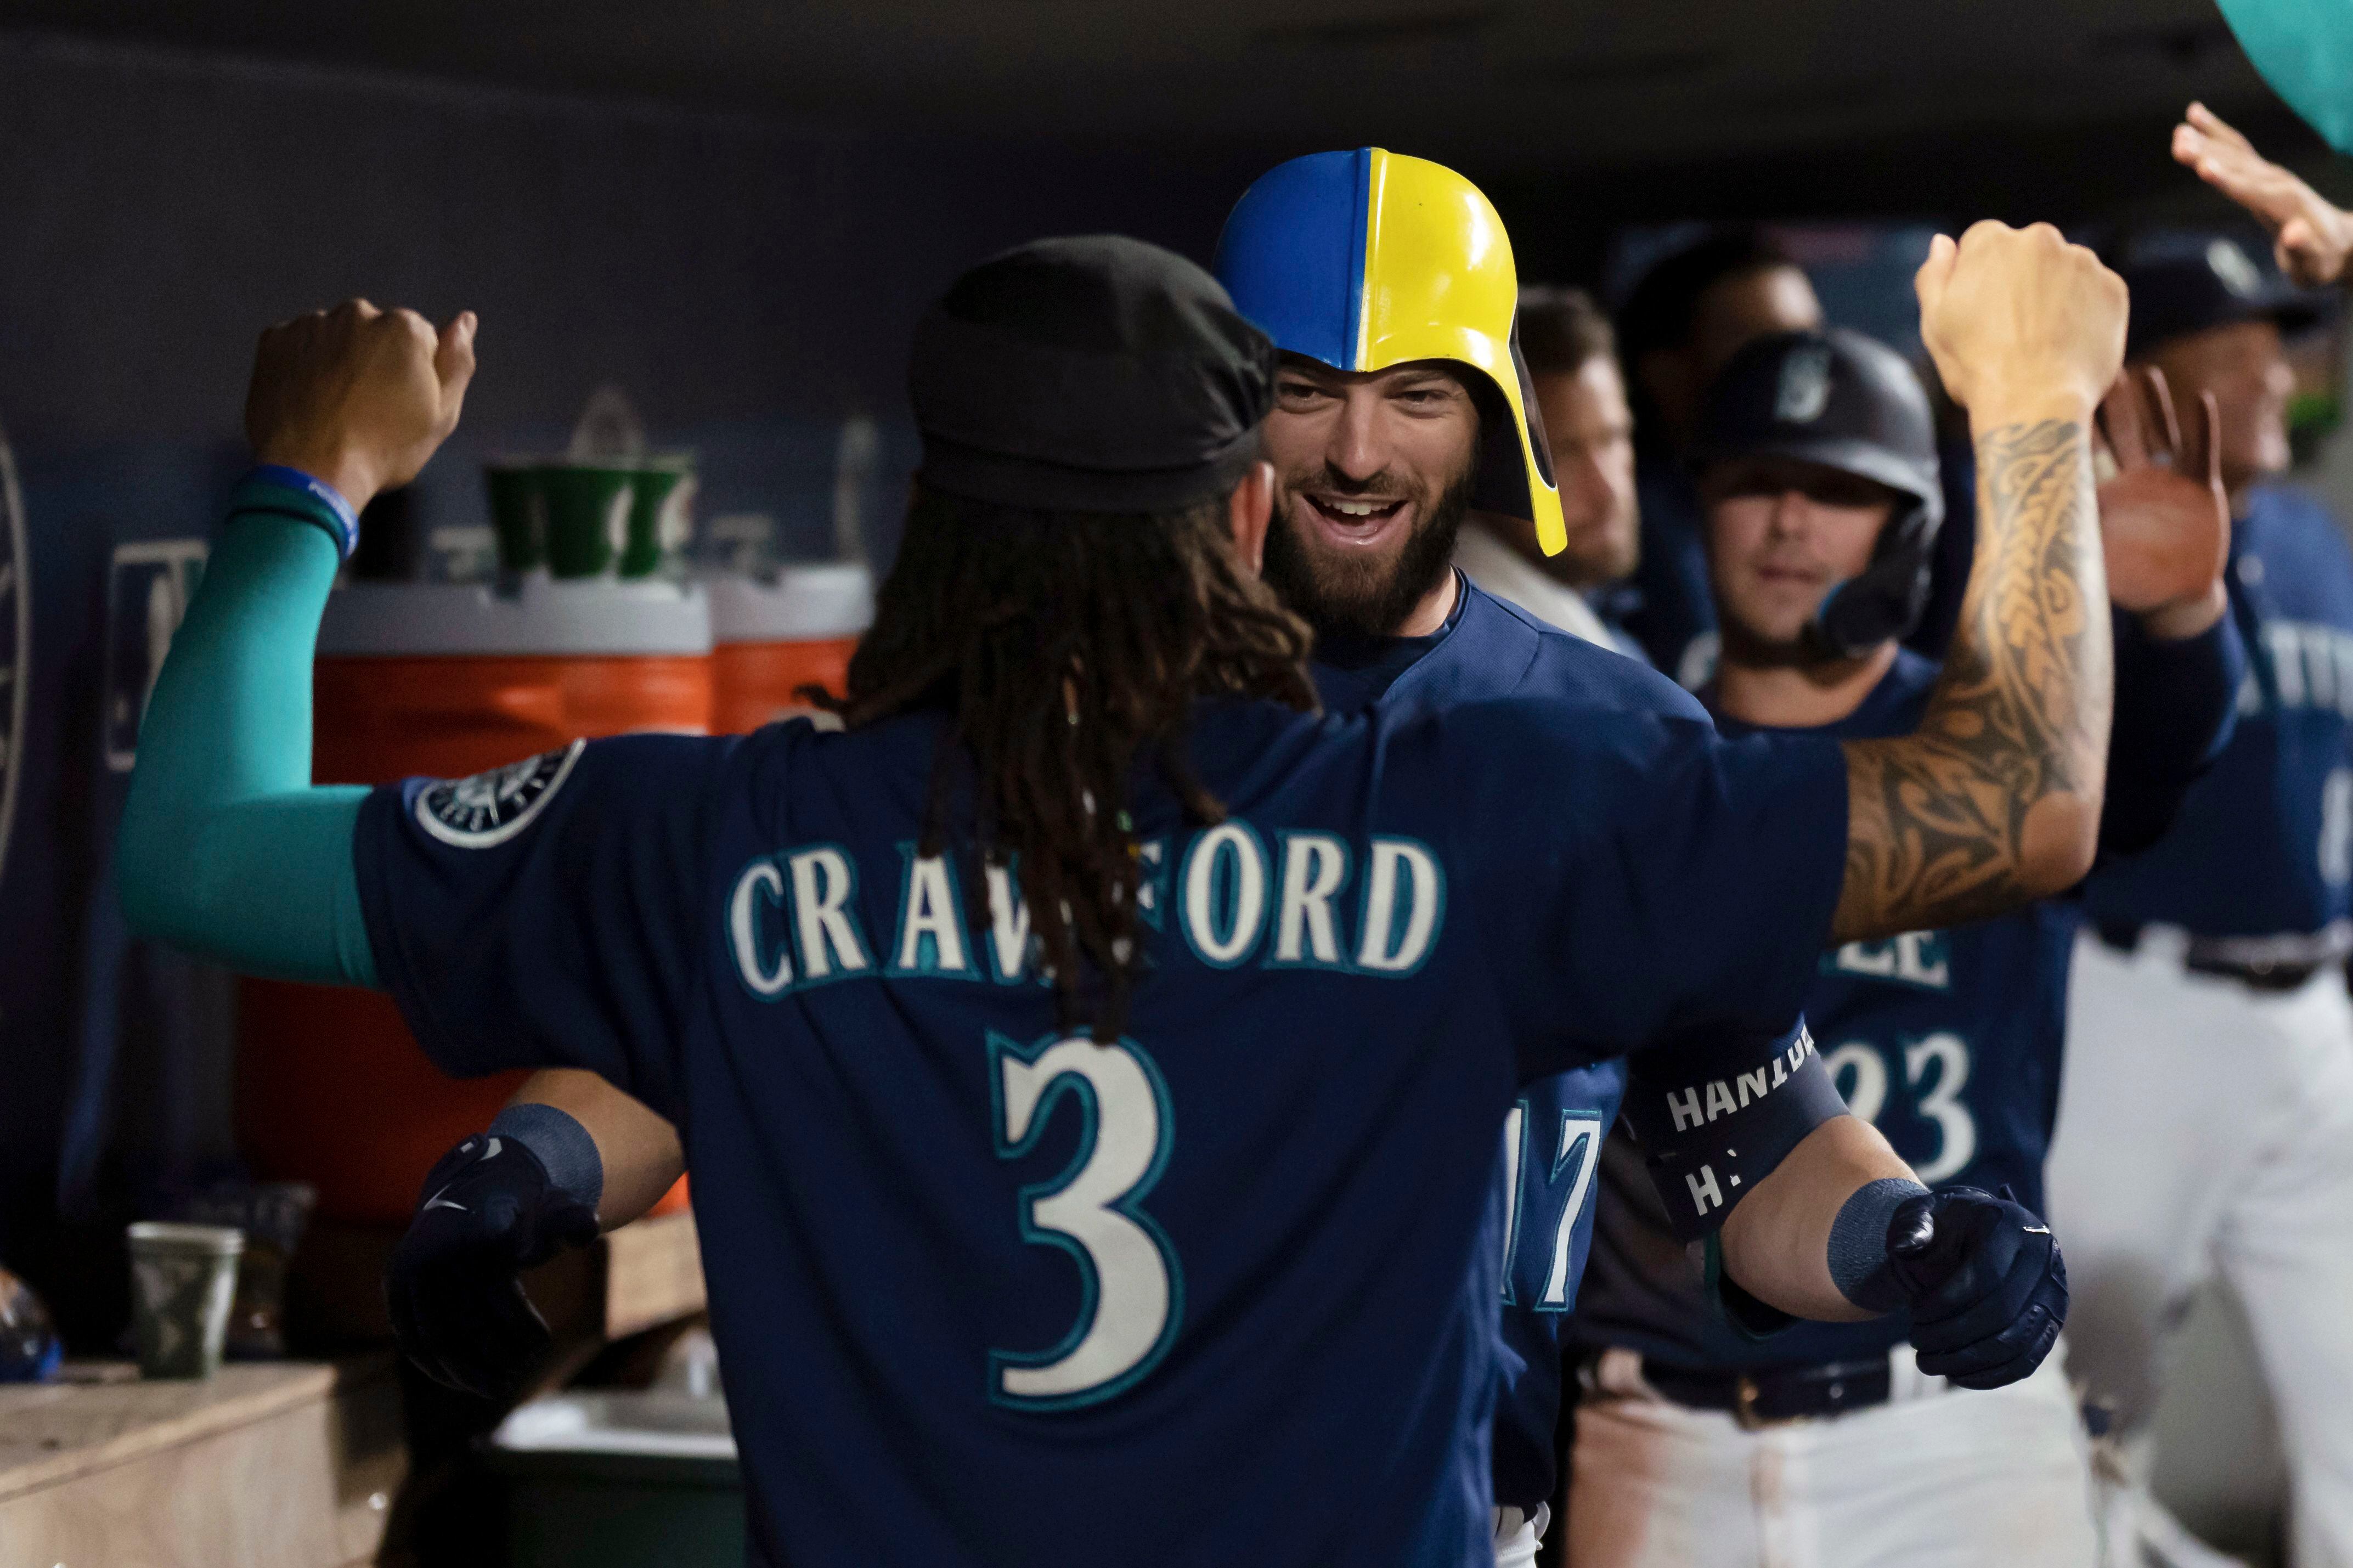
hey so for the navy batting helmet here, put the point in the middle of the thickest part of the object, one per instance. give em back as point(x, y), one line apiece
point(1848, 403)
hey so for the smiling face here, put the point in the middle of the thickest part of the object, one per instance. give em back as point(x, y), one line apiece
point(1373, 473)
point(1781, 534)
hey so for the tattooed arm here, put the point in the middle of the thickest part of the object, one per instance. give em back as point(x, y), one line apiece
point(1995, 800)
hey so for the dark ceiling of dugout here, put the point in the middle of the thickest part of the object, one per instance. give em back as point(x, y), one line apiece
point(1497, 82)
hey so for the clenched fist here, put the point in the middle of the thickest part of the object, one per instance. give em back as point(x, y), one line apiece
point(1986, 1285)
point(487, 1212)
point(358, 396)
point(2021, 324)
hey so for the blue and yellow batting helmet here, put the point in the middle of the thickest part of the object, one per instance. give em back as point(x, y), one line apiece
point(1369, 260)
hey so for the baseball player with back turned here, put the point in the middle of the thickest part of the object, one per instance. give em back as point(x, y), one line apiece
point(2208, 1099)
point(1378, 446)
point(1699, 1443)
point(1086, 1171)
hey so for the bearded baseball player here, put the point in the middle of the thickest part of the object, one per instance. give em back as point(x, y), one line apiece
point(1091, 1065)
point(1701, 1444)
point(2208, 1099)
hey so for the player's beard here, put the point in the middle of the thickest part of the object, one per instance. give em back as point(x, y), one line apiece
point(1366, 597)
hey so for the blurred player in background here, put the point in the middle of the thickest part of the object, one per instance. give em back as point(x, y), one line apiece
point(2208, 1118)
point(1572, 364)
point(1682, 322)
point(1699, 1444)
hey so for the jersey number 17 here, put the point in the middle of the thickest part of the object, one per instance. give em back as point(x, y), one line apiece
point(1568, 1171)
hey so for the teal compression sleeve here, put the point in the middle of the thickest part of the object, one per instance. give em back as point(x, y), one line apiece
point(227, 850)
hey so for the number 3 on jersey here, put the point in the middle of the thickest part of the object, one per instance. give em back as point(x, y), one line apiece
point(1133, 1290)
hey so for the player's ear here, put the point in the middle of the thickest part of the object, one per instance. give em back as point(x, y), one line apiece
point(1248, 510)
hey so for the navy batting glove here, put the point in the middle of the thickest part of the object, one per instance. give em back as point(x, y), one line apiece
point(1986, 1284)
point(488, 1211)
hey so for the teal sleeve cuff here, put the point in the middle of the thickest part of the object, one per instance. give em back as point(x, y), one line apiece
point(290, 492)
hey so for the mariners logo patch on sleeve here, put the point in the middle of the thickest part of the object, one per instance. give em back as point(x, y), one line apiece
point(492, 807)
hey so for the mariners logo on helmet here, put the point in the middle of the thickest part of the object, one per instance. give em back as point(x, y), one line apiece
point(1805, 389)
point(2231, 265)
point(1840, 400)
point(492, 807)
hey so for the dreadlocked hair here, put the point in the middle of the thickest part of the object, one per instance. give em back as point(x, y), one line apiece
point(1066, 647)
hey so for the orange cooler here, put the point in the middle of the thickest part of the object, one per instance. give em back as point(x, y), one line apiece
point(445, 681)
point(773, 637)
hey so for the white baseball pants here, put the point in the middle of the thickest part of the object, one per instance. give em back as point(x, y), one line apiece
point(1520, 1536)
point(1937, 1478)
point(2204, 1125)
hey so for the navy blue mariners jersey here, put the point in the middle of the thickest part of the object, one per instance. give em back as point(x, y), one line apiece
point(1553, 1135)
point(1948, 1041)
point(1552, 1140)
point(1212, 1293)
point(2264, 843)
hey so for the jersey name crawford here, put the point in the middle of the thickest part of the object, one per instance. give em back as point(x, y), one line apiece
point(1310, 901)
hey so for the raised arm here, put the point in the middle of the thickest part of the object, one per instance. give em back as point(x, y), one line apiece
point(226, 849)
point(2311, 235)
point(1995, 800)
point(2165, 524)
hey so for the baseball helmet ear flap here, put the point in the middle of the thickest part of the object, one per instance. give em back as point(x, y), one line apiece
point(1514, 452)
point(1848, 403)
point(1369, 259)
point(1531, 427)
point(1884, 602)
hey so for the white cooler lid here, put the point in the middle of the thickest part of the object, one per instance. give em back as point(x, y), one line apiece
point(543, 618)
point(806, 602)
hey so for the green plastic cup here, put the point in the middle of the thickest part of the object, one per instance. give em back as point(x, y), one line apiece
point(587, 507)
point(518, 513)
point(648, 543)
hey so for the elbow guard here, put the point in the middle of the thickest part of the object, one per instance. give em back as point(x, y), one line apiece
point(1715, 1120)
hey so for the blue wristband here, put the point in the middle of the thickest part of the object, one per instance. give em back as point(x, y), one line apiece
point(342, 523)
point(1858, 1247)
point(561, 1144)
